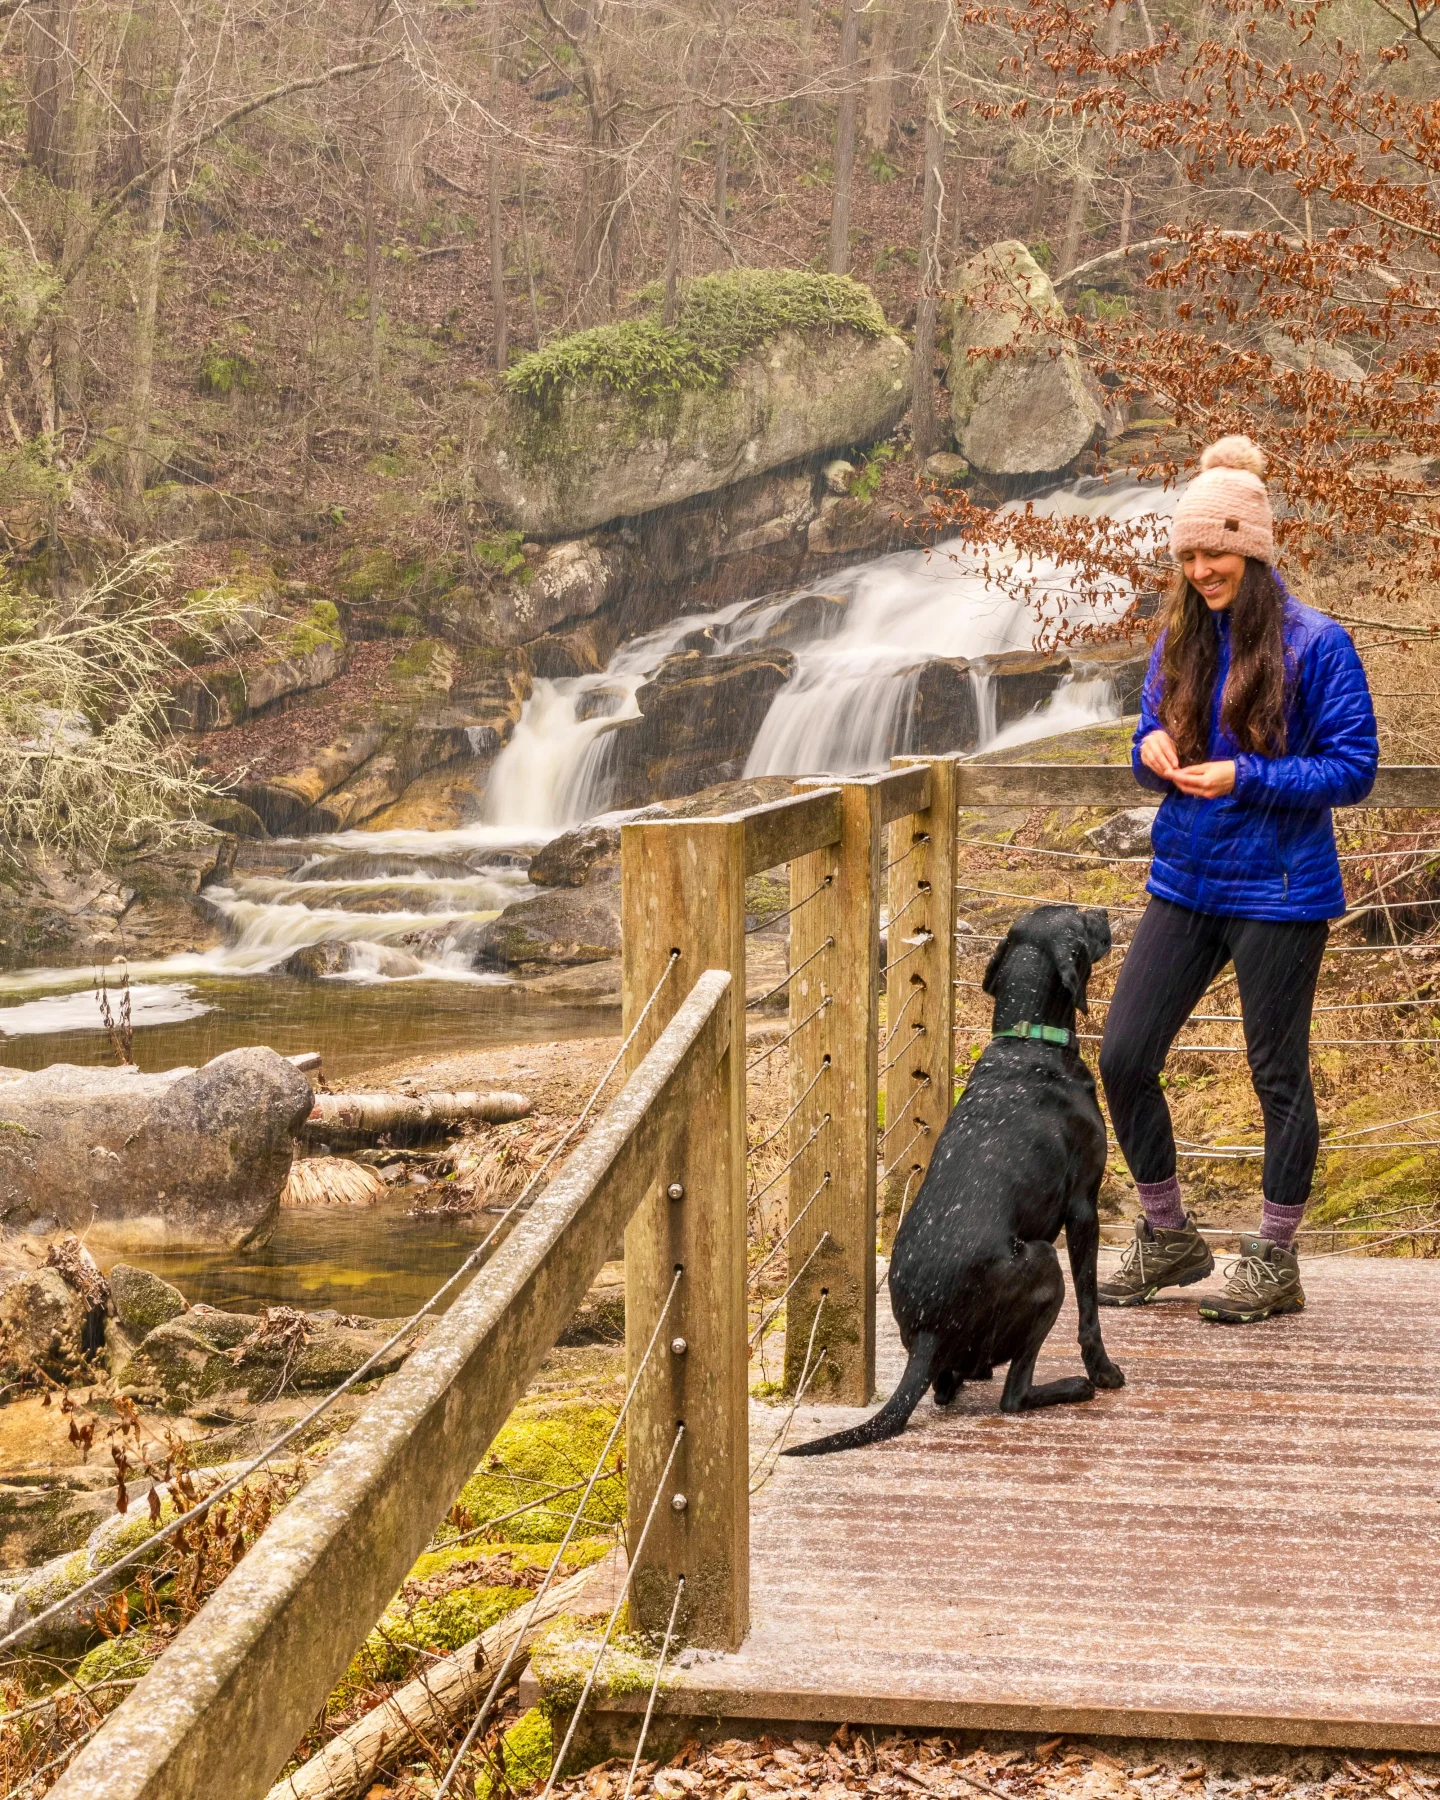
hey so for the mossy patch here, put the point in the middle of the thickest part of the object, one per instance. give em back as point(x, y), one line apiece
point(562, 1660)
point(117, 1659)
point(524, 1757)
point(719, 319)
point(544, 1447)
point(319, 626)
point(397, 1645)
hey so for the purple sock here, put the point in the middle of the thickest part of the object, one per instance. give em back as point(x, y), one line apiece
point(1280, 1223)
point(1163, 1206)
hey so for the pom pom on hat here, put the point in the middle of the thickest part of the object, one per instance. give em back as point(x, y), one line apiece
point(1237, 452)
point(1226, 507)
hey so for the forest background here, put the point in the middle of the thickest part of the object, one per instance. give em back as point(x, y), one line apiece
point(262, 268)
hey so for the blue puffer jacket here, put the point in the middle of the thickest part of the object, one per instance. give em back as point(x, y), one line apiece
point(1267, 851)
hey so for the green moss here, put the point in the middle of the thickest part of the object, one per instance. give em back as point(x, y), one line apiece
point(226, 372)
point(526, 1752)
point(719, 319)
point(417, 660)
point(545, 1447)
point(561, 1662)
point(394, 1647)
point(320, 625)
point(117, 1658)
point(505, 554)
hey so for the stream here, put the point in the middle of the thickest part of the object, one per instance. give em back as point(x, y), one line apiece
point(409, 900)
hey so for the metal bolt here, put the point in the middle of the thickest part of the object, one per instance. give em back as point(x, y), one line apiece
point(678, 1503)
point(678, 1346)
point(676, 1190)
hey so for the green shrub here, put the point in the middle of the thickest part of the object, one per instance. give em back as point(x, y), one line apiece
point(226, 372)
point(719, 319)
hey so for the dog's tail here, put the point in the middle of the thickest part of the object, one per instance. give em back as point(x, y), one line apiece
point(893, 1416)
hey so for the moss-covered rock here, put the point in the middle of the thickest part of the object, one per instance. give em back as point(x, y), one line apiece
point(142, 1300)
point(524, 1756)
point(761, 368)
point(117, 1659)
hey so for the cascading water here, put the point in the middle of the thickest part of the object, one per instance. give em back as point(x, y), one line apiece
point(398, 907)
point(847, 706)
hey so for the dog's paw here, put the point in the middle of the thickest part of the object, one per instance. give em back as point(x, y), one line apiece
point(1107, 1375)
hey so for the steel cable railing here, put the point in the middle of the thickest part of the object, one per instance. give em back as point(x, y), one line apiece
point(142, 1552)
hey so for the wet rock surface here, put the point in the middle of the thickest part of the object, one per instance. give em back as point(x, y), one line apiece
point(1021, 680)
point(567, 926)
point(700, 717)
point(189, 1158)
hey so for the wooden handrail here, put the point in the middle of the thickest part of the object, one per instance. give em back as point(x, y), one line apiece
point(1106, 784)
point(223, 1708)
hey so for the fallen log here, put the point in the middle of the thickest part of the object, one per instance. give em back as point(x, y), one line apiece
point(349, 1119)
point(442, 1698)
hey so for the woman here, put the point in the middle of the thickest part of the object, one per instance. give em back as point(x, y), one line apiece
point(1255, 720)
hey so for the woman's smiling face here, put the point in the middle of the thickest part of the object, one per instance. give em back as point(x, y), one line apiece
point(1215, 575)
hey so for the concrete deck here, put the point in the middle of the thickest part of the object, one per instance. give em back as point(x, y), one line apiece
point(1242, 1544)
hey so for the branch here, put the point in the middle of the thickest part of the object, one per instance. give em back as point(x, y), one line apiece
point(180, 151)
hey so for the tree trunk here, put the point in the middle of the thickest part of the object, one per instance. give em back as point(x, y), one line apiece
point(50, 79)
point(347, 1119)
point(147, 287)
point(880, 89)
point(497, 223)
point(1085, 173)
point(597, 260)
point(672, 219)
point(805, 62)
point(529, 261)
point(845, 142)
point(923, 426)
point(372, 302)
point(722, 167)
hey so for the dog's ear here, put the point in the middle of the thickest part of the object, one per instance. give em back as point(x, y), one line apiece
point(1097, 930)
point(1074, 960)
point(992, 971)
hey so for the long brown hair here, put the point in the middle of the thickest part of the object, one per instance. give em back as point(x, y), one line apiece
point(1253, 707)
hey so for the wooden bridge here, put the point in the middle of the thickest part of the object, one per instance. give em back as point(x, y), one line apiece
point(1240, 1544)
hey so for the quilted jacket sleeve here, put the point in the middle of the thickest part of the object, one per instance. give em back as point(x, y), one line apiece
point(1149, 721)
point(1336, 766)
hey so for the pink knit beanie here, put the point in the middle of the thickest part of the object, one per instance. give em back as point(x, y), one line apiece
point(1226, 506)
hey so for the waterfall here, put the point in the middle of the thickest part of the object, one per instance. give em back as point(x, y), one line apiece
point(848, 704)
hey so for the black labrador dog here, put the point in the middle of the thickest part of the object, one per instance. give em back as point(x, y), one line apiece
point(974, 1277)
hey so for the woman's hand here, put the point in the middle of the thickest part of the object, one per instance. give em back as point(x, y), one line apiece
point(1159, 755)
point(1206, 781)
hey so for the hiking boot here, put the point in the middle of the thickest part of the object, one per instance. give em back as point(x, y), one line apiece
point(1265, 1281)
point(1157, 1259)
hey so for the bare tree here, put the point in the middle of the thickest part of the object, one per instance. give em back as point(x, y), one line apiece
point(839, 263)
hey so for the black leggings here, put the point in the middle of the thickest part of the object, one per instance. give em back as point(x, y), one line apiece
point(1173, 957)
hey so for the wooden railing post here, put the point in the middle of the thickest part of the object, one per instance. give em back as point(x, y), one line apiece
point(683, 888)
point(919, 1054)
point(838, 994)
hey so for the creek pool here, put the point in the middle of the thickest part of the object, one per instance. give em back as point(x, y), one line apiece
point(374, 1260)
point(187, 1019)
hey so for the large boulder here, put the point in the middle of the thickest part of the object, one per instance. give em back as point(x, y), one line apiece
point(700, 717)
point(208, 1352)
point(192, 1157)
point(42, 1327)
point(943, 714)
point(1030, 411)
point(761, 368)
point(142, 1300)
point(556, 929)
point(1019, 681)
